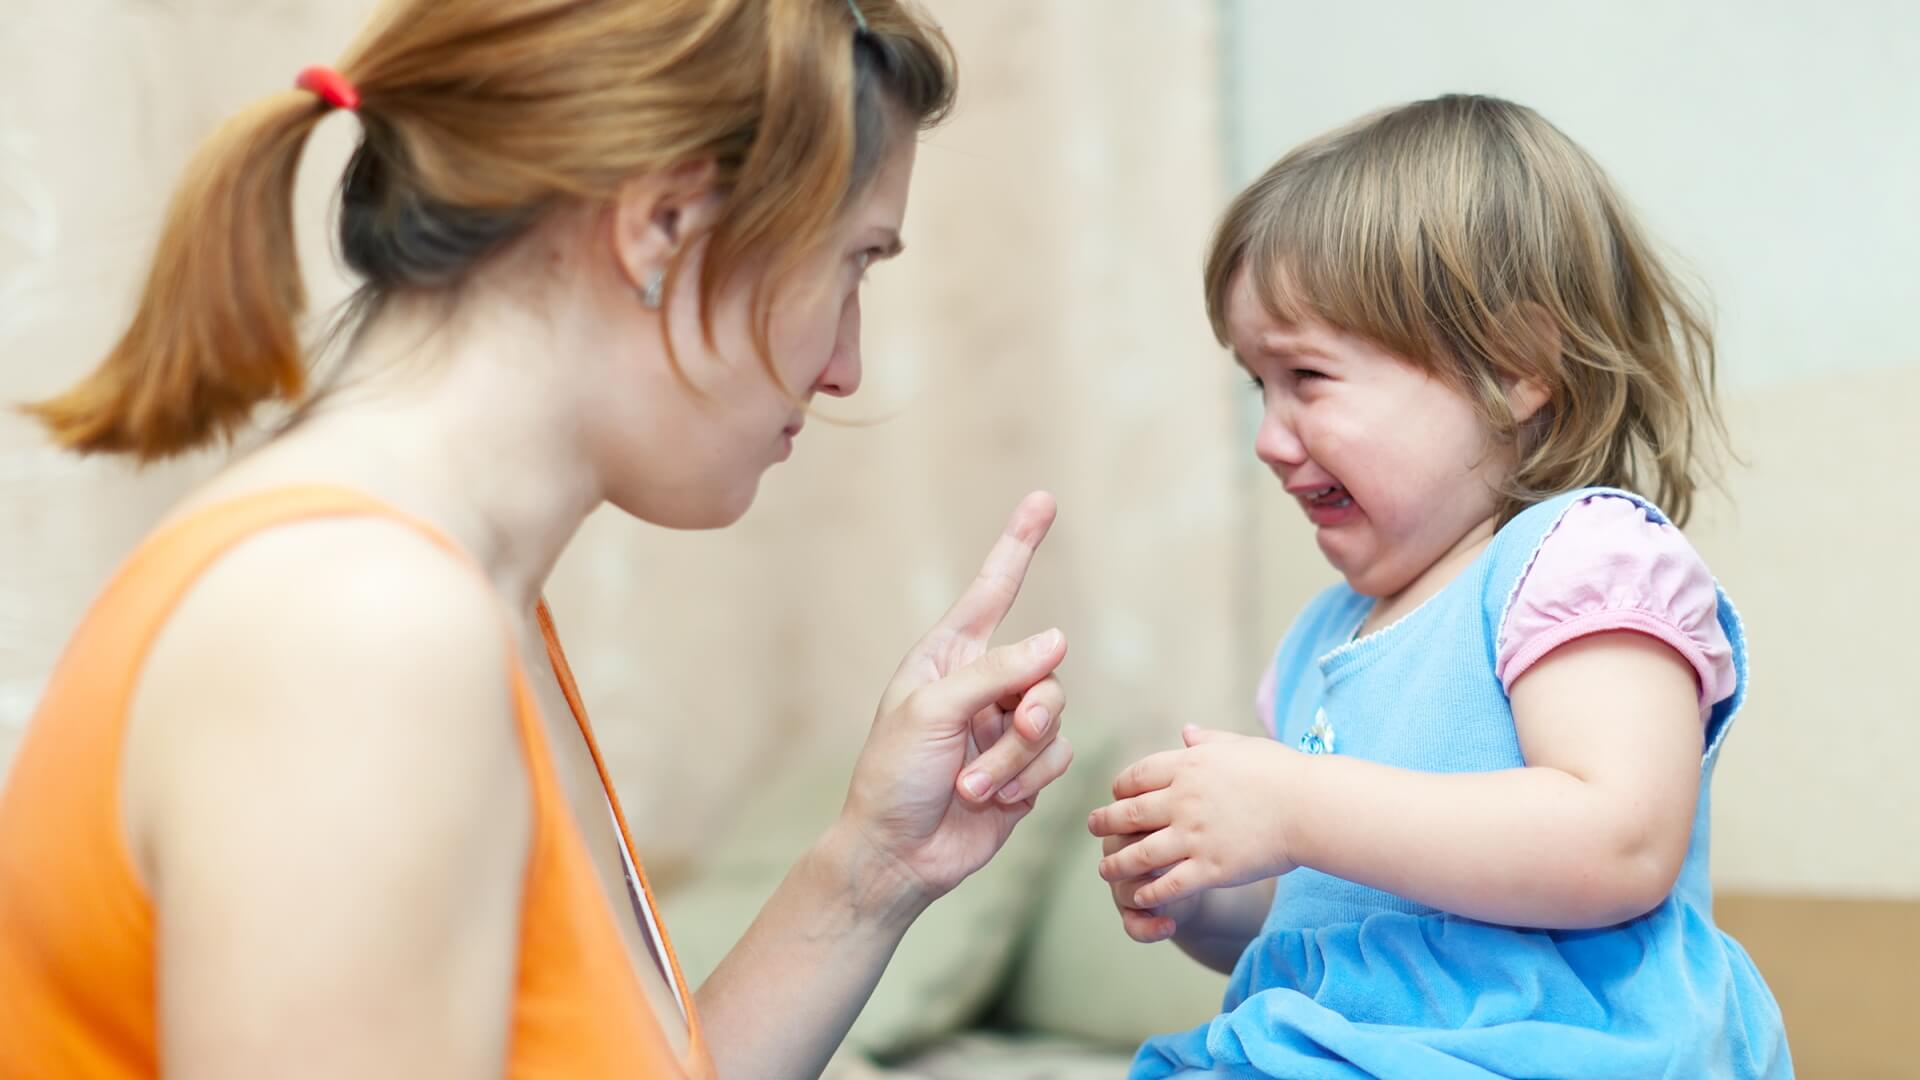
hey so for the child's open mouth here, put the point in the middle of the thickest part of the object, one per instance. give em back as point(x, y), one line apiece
point(1331, 505)
point(1332, 497)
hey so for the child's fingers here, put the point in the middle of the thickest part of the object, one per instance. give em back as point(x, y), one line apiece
point(1141, 924)
point(1143, 858)
point(1183, 880)
point(1195, 735)
point(1140, 814)
point(1048, 767)
point(1148, 774)
point(1145, 927)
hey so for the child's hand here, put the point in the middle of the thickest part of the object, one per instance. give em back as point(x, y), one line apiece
point(1213, 815)
point(1145, 925)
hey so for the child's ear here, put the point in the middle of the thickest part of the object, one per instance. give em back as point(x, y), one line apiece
point(1526, 397)
point(1527, 394)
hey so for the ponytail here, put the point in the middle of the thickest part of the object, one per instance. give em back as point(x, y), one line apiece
point(214, 333)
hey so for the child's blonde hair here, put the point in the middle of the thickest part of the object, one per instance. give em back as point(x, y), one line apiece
point(1470, 236)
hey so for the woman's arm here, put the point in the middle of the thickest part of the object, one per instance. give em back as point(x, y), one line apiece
point(1592, 832)
point(326, 799)
point(912, 829)
point(786, 995)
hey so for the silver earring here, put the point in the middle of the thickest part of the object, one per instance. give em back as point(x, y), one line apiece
point(655, 290)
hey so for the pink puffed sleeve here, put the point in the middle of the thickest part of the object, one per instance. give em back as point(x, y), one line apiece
point(1606, 566)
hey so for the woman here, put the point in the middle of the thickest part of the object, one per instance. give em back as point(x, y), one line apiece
point(311, 792)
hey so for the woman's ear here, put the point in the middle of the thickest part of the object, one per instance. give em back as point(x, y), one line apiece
point(654, 216)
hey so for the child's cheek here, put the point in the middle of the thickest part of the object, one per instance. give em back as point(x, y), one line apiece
point(1337, 443)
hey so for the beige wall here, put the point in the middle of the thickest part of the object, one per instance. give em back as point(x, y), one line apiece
point(99, 108)
point(1816, 545)
point(1773, 147)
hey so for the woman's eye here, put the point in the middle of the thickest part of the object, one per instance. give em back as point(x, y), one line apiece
point(1304, 374)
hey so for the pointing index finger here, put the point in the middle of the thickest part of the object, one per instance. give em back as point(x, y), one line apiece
point(988, 599)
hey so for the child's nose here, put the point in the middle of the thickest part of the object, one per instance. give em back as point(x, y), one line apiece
point(1276, 444)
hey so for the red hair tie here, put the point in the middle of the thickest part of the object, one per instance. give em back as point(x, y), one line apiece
point(333, 87)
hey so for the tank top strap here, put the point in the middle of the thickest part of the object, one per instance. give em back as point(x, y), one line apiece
point(645, 906)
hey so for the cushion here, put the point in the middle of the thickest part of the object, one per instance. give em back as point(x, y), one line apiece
point(947, 969)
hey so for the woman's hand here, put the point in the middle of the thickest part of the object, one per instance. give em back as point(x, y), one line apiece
point(911, 829)
point(965, 736)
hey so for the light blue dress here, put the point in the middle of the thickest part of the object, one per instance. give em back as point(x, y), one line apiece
point(1346, 981)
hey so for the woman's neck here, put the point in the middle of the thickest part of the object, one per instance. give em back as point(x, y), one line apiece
point(463, 423)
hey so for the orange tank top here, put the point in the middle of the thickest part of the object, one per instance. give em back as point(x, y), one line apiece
point(77, 978)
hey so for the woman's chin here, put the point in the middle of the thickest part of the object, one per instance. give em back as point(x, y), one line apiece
point(712, 508)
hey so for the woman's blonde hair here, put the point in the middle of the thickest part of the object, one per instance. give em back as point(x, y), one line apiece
point(479, 117)
point(1473, 238)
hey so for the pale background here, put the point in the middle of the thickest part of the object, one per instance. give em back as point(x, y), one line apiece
point(1046, 331)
